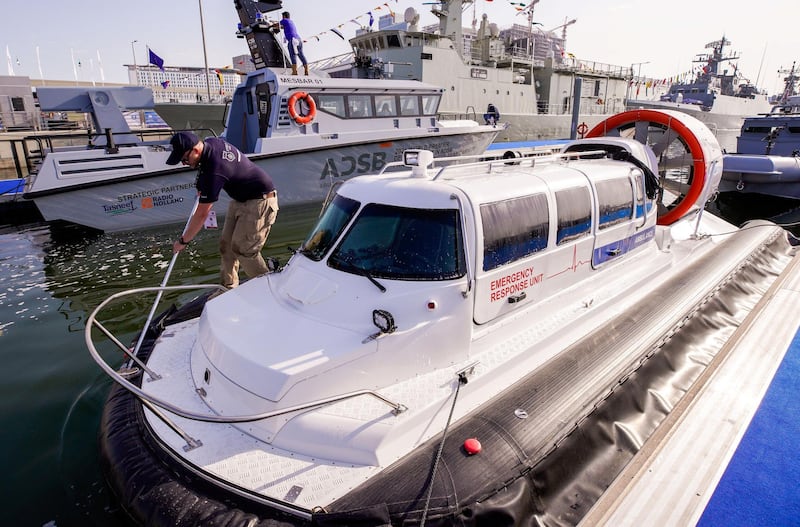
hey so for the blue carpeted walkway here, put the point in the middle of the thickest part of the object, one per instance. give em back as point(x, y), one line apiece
point(761, 486)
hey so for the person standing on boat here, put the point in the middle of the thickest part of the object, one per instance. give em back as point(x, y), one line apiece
point(252, 210)
point(293, 42)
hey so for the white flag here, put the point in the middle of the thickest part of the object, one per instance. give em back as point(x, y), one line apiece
point(10, 62)
point(74, 69)
point(100, 65)
point(39, 61)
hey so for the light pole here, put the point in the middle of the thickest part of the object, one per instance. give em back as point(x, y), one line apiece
point(135, 67)
point(638, 75)
point(205, 54)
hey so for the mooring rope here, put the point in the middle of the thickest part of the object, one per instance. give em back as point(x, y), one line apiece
point(462, 379)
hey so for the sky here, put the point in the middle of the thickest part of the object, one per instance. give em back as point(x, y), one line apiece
point(102, 36)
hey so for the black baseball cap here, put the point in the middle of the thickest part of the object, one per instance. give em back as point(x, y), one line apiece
point(181, 143)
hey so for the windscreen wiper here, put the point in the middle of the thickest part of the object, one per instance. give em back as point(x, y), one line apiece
point(364, 272)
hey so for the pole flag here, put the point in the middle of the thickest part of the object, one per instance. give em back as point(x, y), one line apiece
point(39, 61)
point(74, 69)
point(155, 60)
point(10, 62)
point(100, 65)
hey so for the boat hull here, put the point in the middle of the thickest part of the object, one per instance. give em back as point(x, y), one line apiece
point(166, 196)
point(756, 174)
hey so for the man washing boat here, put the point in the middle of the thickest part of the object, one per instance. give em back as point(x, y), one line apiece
point(251, 212)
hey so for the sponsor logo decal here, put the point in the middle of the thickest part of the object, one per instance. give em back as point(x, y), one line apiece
point(148, 199)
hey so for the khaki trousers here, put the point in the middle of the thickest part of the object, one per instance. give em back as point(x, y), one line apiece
point(246, 228)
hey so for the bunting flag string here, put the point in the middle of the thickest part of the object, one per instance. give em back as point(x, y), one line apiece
point(336, 30)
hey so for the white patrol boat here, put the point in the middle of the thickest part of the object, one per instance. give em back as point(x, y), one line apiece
point(440, 332)
point(307, 132)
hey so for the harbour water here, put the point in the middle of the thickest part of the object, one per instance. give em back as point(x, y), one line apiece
point(52, 394)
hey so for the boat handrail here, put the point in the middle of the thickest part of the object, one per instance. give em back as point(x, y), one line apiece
point(397, 408)
point(523, 157)
point(142, 134)
point(34, 148)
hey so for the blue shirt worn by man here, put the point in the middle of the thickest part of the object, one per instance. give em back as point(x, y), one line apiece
point(289, 29)
point(293, 43)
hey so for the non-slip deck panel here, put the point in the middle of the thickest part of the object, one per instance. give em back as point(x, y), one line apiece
point(519, 464)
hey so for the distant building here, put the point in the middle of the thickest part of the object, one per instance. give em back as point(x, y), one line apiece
point(17, 107)
point(185, 83)
point(244, 63)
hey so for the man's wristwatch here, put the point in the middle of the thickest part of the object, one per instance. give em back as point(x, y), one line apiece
point(182, 241)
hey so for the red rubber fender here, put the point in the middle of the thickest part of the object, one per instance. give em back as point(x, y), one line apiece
point(654, 116)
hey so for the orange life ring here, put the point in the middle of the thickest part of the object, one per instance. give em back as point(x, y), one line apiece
point(312, 108)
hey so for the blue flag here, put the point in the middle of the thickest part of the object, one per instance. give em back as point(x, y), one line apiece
point(155, 60)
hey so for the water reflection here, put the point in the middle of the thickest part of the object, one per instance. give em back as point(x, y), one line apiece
point(51, 278)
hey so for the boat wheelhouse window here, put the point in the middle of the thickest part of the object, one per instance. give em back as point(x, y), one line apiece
point(403, 244)
point(336, 216)
point(514, 229)
point(385, 106)
point(409, 105)
point(430, 104)
point(615, 199)
point(333, 104)
point(359, 106)
point(574, 209)
point(393, 41)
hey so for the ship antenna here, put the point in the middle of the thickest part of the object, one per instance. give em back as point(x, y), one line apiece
point(758, 77)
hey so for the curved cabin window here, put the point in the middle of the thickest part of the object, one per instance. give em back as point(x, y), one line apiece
point(615, 200)
point(336, 216)
point(402, 244)
point(514, 229)
point(641, 202)
point(574, 208)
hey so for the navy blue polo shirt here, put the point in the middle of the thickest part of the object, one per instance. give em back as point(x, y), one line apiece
point(223, 166)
